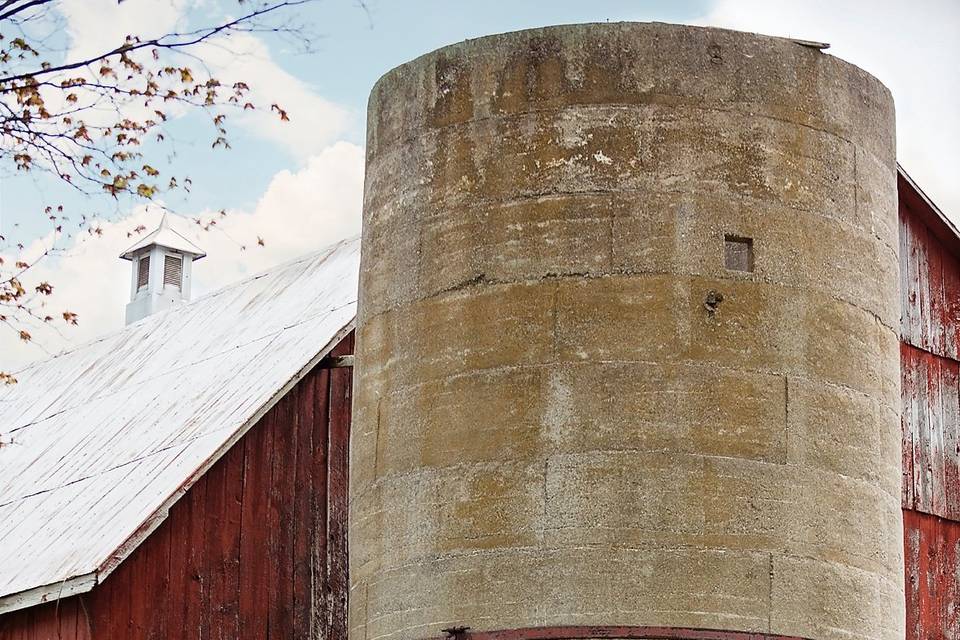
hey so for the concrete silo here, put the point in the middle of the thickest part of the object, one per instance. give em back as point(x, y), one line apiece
point(627, 352)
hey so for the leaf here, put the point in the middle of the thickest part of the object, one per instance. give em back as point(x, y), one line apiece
point(25, 336)
point(44, 288)
point(70, 317)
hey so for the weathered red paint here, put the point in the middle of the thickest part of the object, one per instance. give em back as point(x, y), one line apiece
point(931, 432)
point(930, 376)
point(619, 632)
point(929, 283)
point(338, 484)
point(933, 576)
point(247, 552)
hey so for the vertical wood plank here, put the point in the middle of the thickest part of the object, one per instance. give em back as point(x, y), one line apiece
point(303, 600)
point(197, 577)
point(150, 576)
point(907, 290)
point(321, 587)
point(229, 545)
point(280, 549)
point(935, 454)
point(922, 432)
point(914, 333)
point(920, 251)
point(908, 421)
point(338, 490)
point(178, 568)
point(950, 416)
point(935, 283)
point(951, 296)
point(254, 574)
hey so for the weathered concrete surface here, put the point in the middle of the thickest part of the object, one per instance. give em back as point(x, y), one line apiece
point(550, 426)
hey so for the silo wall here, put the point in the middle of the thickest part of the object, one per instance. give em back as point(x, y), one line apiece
point(626, 346)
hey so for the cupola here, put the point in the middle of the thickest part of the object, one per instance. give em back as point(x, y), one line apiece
point(160, 271)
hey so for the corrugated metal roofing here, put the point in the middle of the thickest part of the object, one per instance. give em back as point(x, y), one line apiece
point(100, 441)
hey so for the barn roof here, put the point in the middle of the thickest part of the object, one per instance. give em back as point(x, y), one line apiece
point(100, 441)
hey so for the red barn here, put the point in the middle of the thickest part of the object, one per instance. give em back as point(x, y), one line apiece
point(186, 477)
point(930, 368)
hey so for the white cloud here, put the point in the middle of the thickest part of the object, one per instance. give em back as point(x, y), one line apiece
point(913, 47)
point(299, 212)
point(314, 121)
point(96, 25)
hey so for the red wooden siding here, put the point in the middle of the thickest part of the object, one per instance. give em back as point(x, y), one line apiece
point(255, 549)
point(930, 287)
point(931, 433)
point(932, 547)
point(930, 376)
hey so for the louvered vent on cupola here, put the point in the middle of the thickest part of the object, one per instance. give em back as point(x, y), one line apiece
point(172, 270)
point(143, 271)
point(162, 266)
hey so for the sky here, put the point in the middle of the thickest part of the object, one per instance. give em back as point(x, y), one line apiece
point(298, 184)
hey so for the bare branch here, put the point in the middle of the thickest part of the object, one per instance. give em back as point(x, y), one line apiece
point(168, 41)
point(7, 10)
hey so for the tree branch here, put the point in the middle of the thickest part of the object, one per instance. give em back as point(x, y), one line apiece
point(197, 37)
point(8, 13)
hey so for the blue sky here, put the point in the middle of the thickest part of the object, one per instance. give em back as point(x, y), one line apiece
point(354, 46)
point(400, 30)
point(299, 184)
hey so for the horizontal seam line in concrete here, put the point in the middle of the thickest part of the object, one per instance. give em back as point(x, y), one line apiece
point(678, 101)
point(537, 551)
point(445, 470)
point(483, 281)
point(772, 373)
point(480, 203)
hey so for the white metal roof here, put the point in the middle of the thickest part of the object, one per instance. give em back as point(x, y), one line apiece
point(99, 442)
point(165, 236)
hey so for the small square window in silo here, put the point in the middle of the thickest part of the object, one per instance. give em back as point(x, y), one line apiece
point(738, 253)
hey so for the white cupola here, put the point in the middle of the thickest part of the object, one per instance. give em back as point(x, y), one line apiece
point(160, 264)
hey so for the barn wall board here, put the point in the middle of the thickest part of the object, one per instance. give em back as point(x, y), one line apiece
point(930, 385)
point(256, 548)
